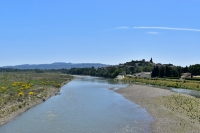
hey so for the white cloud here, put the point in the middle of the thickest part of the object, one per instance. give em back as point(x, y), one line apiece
point(159, 28)
point(167, 28)
point(152, 32)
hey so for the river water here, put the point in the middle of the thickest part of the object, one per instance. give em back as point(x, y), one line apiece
point(193, 93)
point(85, 105)
point(187, 92)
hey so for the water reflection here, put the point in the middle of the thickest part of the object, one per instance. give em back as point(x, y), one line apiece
point(100, 80)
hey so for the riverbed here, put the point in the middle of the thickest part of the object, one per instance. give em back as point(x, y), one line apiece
point(85, 105)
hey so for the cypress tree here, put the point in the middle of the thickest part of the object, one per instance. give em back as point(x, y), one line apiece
point(161, 72)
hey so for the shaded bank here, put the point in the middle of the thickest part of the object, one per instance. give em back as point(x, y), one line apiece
point(168, 117)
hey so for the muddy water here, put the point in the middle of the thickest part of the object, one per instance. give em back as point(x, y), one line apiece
point(85, 105)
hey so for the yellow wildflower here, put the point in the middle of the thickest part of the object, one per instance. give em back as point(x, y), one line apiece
point(27, 87)
point(21, 94)
point(14, 84)
point(30, 84)
point(3, 89)
point(31, 93)
point(23, 85)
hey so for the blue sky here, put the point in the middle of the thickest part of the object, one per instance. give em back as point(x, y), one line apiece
point(100, 31)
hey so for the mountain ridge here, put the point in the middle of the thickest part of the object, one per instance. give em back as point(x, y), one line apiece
point(57, 65)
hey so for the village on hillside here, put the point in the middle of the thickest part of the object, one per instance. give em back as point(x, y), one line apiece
point(148, 74)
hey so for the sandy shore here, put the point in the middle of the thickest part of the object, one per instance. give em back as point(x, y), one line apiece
point(165, 119)
point(29, 103)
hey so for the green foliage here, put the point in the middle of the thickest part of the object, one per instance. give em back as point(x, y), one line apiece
point(39, 71)
point(195, 69)
point(192, 85)
point(173, 77)
point(155, 72)
point(109, 72)
point(112, 71)
point(194, 79)
point(176, 71)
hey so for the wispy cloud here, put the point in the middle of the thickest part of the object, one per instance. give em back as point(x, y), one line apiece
point(158, 28)
point(120, 28)
point(167, 28)
point(152, 32)
point(123, 27)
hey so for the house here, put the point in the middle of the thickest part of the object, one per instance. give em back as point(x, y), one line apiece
point(137, 64)
point(143, 75)
point(186, 75)
point(121, 75)
point(197, 76)
point(158, 64)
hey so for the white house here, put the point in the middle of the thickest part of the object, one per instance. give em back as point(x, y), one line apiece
point(121, 75)
point(186, 75)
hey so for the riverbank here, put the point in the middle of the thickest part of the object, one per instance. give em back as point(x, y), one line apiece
point(175, 83)
point(13, 105)
point(172, 112)
point(30, 102)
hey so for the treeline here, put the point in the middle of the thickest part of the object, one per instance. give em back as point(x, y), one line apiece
point(110, 72)
point(195, 69)
point(174, 71)
point(161, 71)
point(28, 70)
point(14, 70)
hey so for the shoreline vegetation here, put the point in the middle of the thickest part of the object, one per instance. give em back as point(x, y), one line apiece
point(165, 82)
point(171, 112)
point(22, 90)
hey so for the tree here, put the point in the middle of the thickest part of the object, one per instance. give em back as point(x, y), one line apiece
point(161, 72)
point(185, 70)
point(168, 71)
point(155, 72)
point(132, 69)
point(179, 70)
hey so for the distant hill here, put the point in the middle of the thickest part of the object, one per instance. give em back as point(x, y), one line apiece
point(57, 65)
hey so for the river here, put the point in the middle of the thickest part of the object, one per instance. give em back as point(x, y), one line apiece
point(85, 105)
